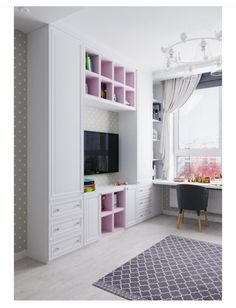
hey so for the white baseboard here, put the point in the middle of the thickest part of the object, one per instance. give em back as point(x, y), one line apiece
point(20, 255)
point(193, 216)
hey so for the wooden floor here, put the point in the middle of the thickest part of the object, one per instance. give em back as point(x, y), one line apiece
point(71, 277)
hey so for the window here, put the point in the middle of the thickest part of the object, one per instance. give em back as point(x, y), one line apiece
point(197, 134)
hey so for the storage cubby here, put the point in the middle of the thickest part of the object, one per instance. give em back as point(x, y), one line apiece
point(106, 88)
point(119, 199)
point(107, 224)
point(106, 68)
point(119, 220)
point(106, 84)
point(112, 211)
point(129, 79)
point(92, 62)
point(119, 94)
point(92, 86)
point(106, 202)
point(129, 97)
point(119, 74)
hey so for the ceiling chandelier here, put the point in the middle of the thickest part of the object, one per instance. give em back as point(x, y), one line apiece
point(193, 53)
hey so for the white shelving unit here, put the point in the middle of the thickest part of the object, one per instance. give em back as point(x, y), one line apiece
point(108, 85)
point(157, 126)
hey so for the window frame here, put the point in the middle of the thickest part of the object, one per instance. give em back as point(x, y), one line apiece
point(177, 152)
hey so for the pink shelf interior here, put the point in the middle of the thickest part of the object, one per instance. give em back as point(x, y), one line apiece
point(119, 220)
point(106, 68)
point(119, 74)
point(92, 85)
point(119, 94)
point(130, 97)
point(129, 79)
point(106, 202)
point(107, 224)
point(95, 62)
point(120, 197)
point(108, 87)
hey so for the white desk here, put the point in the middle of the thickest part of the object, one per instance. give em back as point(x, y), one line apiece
point(214, 199)
point(173, 183)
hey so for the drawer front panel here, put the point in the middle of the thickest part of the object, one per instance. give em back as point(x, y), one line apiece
point(68, 225)
point(144, 191)
point(144, 213)
point(60, 247)
point(61, 209)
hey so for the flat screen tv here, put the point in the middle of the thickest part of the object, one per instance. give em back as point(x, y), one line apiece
point(101, 152)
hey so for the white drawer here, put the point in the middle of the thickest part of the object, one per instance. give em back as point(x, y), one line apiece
point(64, 208)
point(144, 200)
point(65, 245)
point(59, 227)
point(144, 213)
point(144, 190)
point(143, 207)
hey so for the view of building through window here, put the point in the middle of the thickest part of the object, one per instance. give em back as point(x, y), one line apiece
point(198, 141)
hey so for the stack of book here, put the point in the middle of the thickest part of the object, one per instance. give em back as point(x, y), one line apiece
point(89, 185)
point(88, 63)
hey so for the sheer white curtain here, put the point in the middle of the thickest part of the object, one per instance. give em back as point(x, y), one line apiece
point(176, 93)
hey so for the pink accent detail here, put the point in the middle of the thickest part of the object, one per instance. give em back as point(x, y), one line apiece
point(93, 85)
point(129, 79)
point(106, 68)
point(119, 74)
point(107, 202)
point(130, 97)
point(107, 224)
point(119, 219)
point(120, 198)
point(119, 92)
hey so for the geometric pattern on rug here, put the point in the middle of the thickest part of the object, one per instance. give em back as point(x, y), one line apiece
point(176, 268)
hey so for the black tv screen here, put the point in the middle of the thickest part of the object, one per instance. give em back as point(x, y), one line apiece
point(101, 152)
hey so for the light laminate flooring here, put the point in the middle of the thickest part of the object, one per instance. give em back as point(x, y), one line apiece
point(70, 277)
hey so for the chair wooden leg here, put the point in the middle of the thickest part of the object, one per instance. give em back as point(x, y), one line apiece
point(179, 219)
point(182, 218)
point(199, 223)
point(206, 217)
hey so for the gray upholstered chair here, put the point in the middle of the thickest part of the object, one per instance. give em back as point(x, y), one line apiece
point(192, 197)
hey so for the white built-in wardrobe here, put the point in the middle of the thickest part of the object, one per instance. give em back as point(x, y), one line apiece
point(60, 217)
point(54, 143)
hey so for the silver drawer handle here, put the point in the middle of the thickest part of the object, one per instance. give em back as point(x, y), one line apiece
point(56, 248)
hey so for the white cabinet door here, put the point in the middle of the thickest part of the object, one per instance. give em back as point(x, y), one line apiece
point(92, 219)
point(130, 206)
point(64, 115)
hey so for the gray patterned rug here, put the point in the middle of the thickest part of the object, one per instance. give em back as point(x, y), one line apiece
point(176, 268)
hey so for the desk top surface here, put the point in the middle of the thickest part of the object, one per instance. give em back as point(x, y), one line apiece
point(173, 183)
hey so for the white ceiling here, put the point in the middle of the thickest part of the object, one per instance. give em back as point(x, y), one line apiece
point(136, 32)
point(39, 16)
point(140, 32)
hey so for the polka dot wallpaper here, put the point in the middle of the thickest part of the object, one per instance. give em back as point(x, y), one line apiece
point(20, 141)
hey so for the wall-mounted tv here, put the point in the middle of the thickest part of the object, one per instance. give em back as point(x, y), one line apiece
point(101, 152)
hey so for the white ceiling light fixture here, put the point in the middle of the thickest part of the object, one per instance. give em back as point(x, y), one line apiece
point(188, 54)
